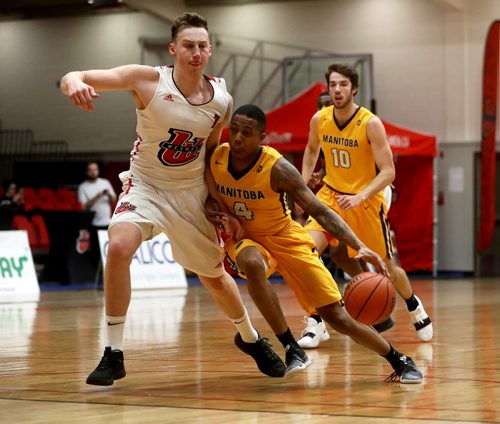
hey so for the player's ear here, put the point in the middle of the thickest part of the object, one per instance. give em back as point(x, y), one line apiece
point(262, 137)
point(354, 91)
point(171, 49)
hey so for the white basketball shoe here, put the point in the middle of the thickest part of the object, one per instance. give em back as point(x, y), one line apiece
point(314, 333)
point(421, 322)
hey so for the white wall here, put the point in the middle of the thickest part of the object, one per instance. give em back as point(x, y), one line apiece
point(35, 54)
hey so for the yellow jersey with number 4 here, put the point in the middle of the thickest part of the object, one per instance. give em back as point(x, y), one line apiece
point(349, 161)
point(248, 194)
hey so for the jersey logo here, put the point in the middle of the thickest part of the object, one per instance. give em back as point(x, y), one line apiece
point(168, 98)
point(259, 169)
point(125, 206)
point(180, 149)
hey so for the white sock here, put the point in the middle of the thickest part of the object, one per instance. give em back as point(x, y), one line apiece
point(114, 331)
point(245, 328)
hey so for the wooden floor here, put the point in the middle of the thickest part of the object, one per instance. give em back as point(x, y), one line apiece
point(183, 367)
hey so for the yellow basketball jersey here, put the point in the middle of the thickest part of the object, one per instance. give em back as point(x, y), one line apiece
point(349, 161)
point(249, 195)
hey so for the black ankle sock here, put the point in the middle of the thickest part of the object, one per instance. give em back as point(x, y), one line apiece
point(393, 358)
point(286, 338)
point(317, 318)
point(412, 303)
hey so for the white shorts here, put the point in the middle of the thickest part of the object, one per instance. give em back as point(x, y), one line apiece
point(180, 215)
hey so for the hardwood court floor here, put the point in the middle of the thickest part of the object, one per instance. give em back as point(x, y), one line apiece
point(183, 367)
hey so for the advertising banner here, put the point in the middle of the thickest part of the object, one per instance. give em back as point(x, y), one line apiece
point(18, 280)
point(152, 265)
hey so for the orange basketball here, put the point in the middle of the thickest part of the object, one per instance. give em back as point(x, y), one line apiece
point(370, 298)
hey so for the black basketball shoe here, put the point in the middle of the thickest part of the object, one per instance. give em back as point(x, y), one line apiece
point(407, 372)
point(296, 359)
point(267, 360)
point(110, 368)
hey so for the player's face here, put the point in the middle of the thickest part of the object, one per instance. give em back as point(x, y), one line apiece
point(245, 137)
point(191, 48)
point(341, 90)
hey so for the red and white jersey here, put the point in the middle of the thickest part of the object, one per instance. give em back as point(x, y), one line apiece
point(169, 153)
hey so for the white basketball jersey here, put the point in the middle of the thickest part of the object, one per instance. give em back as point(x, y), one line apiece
point(169, 153)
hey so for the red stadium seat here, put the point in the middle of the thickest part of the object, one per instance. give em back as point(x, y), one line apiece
point(67, 197)
point(41, 232)
point(30, 199)
point(20, 222)
point(47, 194)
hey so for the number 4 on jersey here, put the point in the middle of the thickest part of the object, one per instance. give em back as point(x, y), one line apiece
point(240, 209)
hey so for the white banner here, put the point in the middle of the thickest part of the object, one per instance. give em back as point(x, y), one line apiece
point(152, 265)
point(18, 281)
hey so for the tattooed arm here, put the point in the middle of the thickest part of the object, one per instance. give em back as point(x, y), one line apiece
point(285, 177)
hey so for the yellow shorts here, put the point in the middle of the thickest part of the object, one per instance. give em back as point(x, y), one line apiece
point(292, 253)
point(233, 249)
point(368, 221)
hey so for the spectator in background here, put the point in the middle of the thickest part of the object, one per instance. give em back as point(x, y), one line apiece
point(96, 195)
point(12, 198)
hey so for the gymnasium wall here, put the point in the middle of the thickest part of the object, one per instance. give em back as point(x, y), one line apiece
point(37, 53)
point(427, 70)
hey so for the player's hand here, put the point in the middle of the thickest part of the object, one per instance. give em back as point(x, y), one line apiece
point(346, 201)
point(214, 215)
point(370, 256)
point(233, 226)
point(81, 94)
point(315, 180)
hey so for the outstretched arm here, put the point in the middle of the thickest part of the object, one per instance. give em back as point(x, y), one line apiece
point(82, 86)
point(285, 177)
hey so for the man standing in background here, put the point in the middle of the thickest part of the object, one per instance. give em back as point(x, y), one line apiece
point(96, 195)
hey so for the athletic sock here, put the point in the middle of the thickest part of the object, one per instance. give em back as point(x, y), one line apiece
point(245, 328)
point(114, 331)
point(317, 318)
point(286, 338)
point(411, 303)
point(393, 357)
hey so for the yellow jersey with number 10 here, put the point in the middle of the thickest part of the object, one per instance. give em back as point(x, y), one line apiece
point(248, 194)
point(349, 161)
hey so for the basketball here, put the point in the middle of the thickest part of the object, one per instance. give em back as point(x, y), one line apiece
point(370, 298)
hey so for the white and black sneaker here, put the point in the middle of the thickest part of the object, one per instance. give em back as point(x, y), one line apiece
point(314, 333)
point(295, 359)
point(407, 372)
point(421, 322)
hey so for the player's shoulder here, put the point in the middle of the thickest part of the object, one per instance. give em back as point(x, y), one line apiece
point(367, 114)
point(220, 151)
point(271, 151)
point(219, 81)
point(322, 115)
point(371, 119)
